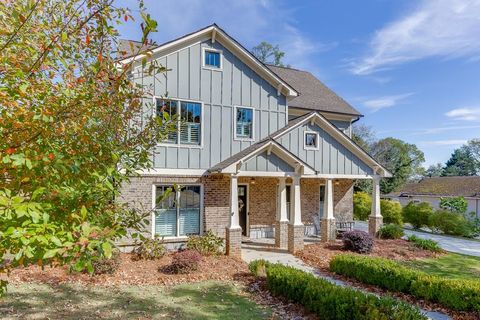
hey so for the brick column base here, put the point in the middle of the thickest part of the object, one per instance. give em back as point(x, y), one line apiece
point(295, 237)
point(328, 230)
point(374, 224)
point(233, 242)
point(281, 234)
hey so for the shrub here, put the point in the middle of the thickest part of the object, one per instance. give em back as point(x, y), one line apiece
point(106, 266)
point(150, 249)
point(456, 294)
point(418, 215)
point(258, 267)
point(425, 244)
point(454, 204)
point(331, 301)
point(452, 223)
point(362, 205)
point(357, 241)
point(185, 261)
point(208, 244)
point(391, 211)
point(390, 231)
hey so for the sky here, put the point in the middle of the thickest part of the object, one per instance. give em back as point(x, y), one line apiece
point(411, 67)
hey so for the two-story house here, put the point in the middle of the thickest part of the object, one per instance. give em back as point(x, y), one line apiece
point(260, 151)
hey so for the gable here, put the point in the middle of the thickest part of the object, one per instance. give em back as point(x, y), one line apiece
point(332, 157)
point(267, 163)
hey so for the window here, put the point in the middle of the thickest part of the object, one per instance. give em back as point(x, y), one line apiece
point(177, 212)
point(311, 140)
point(244, 123)
point(212, 59)
point(189, 118)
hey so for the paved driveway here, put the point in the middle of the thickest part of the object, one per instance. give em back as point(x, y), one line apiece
point(452, 244)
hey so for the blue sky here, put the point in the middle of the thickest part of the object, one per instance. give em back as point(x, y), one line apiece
point(411, 67)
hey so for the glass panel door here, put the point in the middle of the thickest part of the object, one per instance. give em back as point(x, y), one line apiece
point(322, 200)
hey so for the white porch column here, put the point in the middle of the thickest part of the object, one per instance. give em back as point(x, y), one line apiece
point(295, 227)
point(233, 233)
point(281, 223)
point(375, 220)
point(327, 225)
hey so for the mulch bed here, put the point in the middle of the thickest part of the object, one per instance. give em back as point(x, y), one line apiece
point(318, 255)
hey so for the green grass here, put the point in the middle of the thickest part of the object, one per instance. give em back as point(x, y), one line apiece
point(452, 265)
point(205, 300)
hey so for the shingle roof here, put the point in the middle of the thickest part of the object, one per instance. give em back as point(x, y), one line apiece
point(314, 95)
point(126, 48)
point(442, 186)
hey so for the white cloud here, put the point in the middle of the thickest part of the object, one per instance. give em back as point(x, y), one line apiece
point(451, 142)
point(467, 114)
point(443, 28)
point(385, 102)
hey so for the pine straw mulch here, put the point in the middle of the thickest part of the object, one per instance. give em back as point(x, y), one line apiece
point(318, 255)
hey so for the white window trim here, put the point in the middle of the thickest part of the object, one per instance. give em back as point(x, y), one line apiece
point(154, 203)
point(235, 124)
point(212, 67)
point(317, 147)
point(202, 123)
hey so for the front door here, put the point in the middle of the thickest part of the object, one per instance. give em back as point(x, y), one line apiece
point(242, 208)
point(322, 199)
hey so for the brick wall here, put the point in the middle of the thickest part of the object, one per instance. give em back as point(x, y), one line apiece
point(263, 200)
point(216, 203)
point(310, 197)
point(343, 200)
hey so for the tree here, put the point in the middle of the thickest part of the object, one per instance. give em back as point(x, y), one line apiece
point(434, 170)
point(70, 133)
point(455, 204)
point(267, 53)
point(402, 159)
point(464, 161)
point(363, 136)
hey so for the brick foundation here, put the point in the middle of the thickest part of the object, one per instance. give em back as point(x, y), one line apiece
point(281, 234)
point(327, 230)
point(233, 242)
point(374, 224)
point(295, 238)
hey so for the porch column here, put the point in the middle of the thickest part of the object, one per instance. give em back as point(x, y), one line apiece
point(233, 233)
point(295, 227)
point(375, 220)
point(281, 223)
point(327, 225)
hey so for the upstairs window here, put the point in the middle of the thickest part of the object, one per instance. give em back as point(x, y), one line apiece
point(212, 59)
point(310, 140)
point(244, 123)
point(189, 120)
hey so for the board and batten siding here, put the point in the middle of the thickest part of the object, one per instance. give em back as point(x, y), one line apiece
point(267, 163)
point(219, 91)
point(330, 158)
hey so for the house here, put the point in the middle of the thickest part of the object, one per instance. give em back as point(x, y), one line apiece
point(261, 151)
point(431, 190)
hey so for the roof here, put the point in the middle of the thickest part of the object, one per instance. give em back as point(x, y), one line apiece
point(314, 95)
point(442, 186)
point(218, 34)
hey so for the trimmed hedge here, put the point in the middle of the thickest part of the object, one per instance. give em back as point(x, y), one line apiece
point(456, 294)
point(329, 300)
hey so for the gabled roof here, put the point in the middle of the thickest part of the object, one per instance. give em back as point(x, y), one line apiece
point(314, 95)
point(216, 33)
point(442, 186)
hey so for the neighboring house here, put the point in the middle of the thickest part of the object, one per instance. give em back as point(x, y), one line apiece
point(261, 151)
point(431, 190)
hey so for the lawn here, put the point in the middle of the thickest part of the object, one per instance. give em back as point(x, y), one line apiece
point(202, 300)
point(452, 265)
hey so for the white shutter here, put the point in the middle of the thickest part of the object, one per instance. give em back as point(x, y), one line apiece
point(166, 222)
point(189, 222)
point(190, 133)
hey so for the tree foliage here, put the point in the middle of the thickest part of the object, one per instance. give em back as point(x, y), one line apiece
point(268, 53)
point(464, 161)
point(70, 133)
point(434, 170)
point(454, 204)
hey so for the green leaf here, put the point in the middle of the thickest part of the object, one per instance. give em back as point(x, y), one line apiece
point(50, 253)
point(107, 249)
point(83, 212)
point(56, 241)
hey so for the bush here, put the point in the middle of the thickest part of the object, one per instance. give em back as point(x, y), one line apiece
point(208, 244)
point(331, 301)
point(456, 294)
point(391, 211)
point(185, 261)
point(452, 223)
point(258, 267)
point(418, 215)
point(362, 205)
point(454, 204)
point(390, 231)
point(106, 266)
point(425, 244)
point(150, 249)
point(357, 241)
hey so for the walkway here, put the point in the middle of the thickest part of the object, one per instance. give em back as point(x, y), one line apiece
point(264, 249)
point(452, 244)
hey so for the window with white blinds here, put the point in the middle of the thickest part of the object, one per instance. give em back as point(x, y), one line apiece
point(177, 212)
point(244, 123)
point(188, 117)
